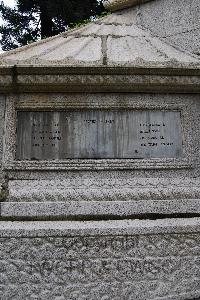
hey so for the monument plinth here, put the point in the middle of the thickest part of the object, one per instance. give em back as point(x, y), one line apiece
point(100, 178)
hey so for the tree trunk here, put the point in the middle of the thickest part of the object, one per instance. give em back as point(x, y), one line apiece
point(46, 21)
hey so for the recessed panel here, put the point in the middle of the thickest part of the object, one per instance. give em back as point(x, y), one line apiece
point(98, 134)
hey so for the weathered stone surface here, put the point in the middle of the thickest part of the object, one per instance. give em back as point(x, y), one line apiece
point(98, 209)
point(100, 260)
point(118, 40)
point(175, 21)
point(125, 50)
point(111, 41)
point(99, 81)
point(105, 187)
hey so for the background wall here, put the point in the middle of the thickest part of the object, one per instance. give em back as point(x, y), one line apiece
point(176, 21)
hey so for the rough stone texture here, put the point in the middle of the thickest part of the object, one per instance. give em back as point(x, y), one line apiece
point(132, 260)
point(103, 187)
point(96, 80)
point(175, 21)
point(98, 209)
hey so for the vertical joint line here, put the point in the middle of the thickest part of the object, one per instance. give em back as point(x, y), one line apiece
point(104, 49)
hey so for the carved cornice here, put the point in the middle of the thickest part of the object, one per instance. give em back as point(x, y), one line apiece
point(99, 79)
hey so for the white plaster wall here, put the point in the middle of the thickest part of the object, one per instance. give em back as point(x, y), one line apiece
point(176, 21)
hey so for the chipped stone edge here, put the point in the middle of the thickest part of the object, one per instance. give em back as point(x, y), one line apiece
point(81, 209)
point(80, 228)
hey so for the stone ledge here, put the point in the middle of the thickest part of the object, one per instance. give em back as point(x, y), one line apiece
point(101, 186)
point(83, 228)
point(96, 209)
point(164, 79)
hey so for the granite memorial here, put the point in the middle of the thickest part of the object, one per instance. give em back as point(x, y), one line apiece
point(99, 159)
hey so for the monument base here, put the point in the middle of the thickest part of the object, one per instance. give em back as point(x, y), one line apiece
point(132, 259)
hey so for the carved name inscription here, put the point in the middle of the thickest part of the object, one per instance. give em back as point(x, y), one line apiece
point(98, 134)
point(127, 267)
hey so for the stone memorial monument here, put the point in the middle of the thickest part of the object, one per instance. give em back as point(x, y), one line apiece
point(100, 159)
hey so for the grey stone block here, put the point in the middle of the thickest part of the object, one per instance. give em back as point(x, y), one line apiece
point(103, 186)
point(154, 260)
point(98, 209)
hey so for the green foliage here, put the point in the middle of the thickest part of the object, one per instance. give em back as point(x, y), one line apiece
point(85, 22)
point(35, 19)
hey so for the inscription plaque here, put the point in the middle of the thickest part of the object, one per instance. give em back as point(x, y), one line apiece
point(98, 134)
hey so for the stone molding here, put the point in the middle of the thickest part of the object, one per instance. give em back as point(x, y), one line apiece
point(169, 80)
point(114, 5)
point(98, 188)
